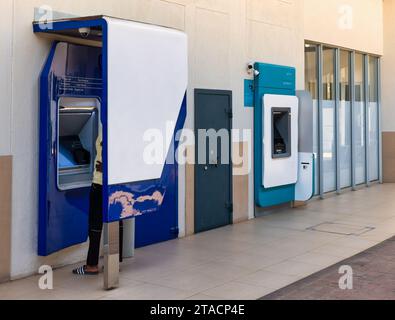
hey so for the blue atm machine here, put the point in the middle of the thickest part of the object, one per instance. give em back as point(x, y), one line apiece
point(283, 121)
point(127, 80)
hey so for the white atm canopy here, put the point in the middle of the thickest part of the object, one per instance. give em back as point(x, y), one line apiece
point(145, 76)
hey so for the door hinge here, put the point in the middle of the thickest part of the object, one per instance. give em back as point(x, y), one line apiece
point(229, 206)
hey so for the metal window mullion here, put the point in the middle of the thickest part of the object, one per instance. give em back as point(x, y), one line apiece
point(320, 122)
point(367, 123)
point(379, 116)
point(337, 118)
point(353, 145)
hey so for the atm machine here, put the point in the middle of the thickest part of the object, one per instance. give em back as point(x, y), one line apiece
point(283, 122)
point(124, 78)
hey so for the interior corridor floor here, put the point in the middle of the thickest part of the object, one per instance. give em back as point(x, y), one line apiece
point(373, 274)
point(243, 261)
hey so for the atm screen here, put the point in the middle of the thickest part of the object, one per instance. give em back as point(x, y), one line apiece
point(77, 134)
point(281, 125)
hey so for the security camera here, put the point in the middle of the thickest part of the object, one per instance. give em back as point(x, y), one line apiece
point(84, 32)
point(251, 69)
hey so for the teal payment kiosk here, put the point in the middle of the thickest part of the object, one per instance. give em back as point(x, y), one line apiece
point(284, 159)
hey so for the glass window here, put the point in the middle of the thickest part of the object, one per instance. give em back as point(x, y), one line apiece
point(328, 120)
point(351, 131)
point(373, 120)
point(311, 85)
point(359, 120)
point(345, 129)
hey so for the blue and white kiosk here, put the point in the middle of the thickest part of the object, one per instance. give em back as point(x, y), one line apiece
point(283, 135)
point(124, 78)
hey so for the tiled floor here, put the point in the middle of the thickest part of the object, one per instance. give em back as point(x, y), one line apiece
point(243, 261)
point(373, 279)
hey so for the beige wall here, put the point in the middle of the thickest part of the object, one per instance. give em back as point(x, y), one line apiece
point(241, 152)
point(388, 89)
point(5, 216)
point(389, 157)
point(388, 67)
point(328, 22)
point(6, 23)
point(223, 36)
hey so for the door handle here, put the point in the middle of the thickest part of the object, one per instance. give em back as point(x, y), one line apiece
point(214, 163)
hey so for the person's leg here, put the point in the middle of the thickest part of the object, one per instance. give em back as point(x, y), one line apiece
point(95, 232)
point(121, 241)
point(95, 226)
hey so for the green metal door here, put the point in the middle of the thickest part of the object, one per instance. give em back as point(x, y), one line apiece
point(213, 169)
